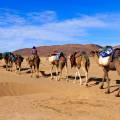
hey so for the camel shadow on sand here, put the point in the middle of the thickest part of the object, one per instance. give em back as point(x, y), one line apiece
point(117, 85)
point(93, 81)
point(70, 77)
point(44, 74)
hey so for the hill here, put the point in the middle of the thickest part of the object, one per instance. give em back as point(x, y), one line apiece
point(67, 48)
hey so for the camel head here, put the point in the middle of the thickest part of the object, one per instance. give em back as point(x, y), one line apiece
point(1, 56)
point(93, 53)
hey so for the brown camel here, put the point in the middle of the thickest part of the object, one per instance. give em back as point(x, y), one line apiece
point(113, 65)
point(34, 63)
point(60, 63)
point(18, 59)
point(8, 60)
point(1, 57)
point(78, 61)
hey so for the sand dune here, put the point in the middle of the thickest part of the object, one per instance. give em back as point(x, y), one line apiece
point(26, 98)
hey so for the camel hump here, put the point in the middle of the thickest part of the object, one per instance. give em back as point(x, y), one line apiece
point(115, 54)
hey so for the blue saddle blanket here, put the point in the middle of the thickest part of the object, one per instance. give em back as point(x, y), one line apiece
point(106, 51)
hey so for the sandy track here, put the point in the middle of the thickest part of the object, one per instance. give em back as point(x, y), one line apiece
point(26, 98)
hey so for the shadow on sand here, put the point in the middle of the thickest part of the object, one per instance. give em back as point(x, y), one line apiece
point(48, 74)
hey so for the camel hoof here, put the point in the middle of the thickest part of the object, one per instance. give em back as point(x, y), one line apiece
point(57, 79)
point(67, 80)
point(101, 87)
point(51, 78)
point(117, 95)
point(86, 85)
point(37, 76)
point(107, 92)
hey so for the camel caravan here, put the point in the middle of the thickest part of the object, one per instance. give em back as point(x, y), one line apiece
point(107, 57)
point(11, 59)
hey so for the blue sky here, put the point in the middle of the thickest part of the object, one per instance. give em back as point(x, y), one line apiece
point(24, 23)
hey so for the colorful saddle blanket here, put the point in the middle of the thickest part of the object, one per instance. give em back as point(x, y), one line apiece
point(104, 55)
point(106, 51)
point(5, 54)
point(54, 57)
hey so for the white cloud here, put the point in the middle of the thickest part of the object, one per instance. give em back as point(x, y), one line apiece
point(19, 31)
point(42, 17)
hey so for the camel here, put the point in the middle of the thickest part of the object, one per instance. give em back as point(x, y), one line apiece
point(59, 63)
point(78, 61)
point(8, 61)
point(10, 58)
point(113, 65)
point(1, 57)
point(34, 63)
point(18, 61)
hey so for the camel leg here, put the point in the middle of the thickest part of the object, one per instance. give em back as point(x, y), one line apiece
point(76, 73)
point(108, 84)
point(103, 79)
point(51, 72)
point(59, 76)
point(86, 75)
point(16, 68)
point(6, 66)
point(118, 94)
point(79, 76)
point(66, 73)
point(19, 69)
point(86, 79)
point(57, 73)
point(118, 71)
point(37, 72)
point(11, 67)
point(31, 72)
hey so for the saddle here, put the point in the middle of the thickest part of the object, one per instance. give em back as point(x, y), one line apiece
point(6, 54)
point(112, 56)
point(54, 57)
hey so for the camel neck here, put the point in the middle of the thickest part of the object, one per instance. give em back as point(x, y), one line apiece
point(96, 58)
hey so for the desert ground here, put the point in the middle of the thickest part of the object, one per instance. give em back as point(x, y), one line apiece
point(26, 98)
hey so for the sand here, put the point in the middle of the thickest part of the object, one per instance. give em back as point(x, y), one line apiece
point(26, 98)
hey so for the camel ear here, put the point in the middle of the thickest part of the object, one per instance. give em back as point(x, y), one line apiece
point(97, 51)
point(92, 52)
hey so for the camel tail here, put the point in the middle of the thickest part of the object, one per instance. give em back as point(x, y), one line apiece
point(88, 62)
